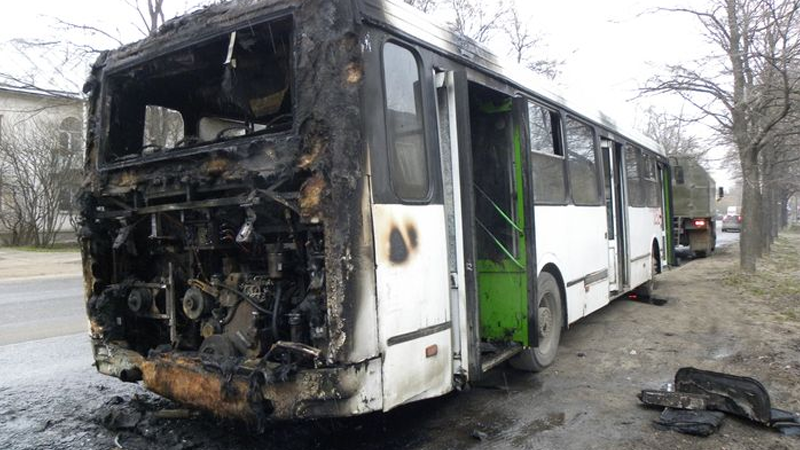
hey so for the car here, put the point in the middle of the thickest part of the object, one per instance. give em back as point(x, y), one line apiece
point(732, 222)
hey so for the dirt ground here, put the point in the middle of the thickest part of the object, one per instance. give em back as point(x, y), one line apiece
point(714, 319)
point(16, 264)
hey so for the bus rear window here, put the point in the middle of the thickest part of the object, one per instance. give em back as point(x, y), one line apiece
point(235, 85)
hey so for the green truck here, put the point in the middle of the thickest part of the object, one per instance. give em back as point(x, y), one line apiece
point(694, 206)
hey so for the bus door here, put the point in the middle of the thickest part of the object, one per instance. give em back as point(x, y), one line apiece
point(666, 214)
point(502, 224)
point(615, 210)
point(451, 110)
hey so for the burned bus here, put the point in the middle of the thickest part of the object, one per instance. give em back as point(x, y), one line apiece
point(317, 208)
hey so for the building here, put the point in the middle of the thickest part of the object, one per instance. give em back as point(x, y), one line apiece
point(30, 119)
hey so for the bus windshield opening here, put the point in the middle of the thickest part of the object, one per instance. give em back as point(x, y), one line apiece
point(232, 86)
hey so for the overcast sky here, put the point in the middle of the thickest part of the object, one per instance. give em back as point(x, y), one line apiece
point(610, 48)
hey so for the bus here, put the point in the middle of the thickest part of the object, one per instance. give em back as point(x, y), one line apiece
point(324, 208)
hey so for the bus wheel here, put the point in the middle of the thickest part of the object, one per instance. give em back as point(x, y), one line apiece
point(551, 317)
point(646, 290)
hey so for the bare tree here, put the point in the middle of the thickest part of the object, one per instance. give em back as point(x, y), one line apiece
point(40, 171)
point(485, 21)
point(151, 15)
point(747, 94)
point(478, 20)
point(670, 132)
point(62, 62)
point(424, 5)
point(524, 43)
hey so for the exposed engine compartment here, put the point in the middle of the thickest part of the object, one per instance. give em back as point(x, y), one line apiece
point(234, 281)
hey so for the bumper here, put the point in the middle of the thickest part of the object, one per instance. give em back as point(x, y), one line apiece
point(243, 390)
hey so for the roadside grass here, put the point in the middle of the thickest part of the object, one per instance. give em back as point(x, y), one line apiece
point(65, 247)
point(777, 279)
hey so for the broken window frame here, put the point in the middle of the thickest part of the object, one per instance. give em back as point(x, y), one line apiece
point(571, 165)
point(113, 73)
point(650, 181)
point(637, 197)
point(556, 156)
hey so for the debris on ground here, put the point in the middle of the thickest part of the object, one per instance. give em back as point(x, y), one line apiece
point(479, 435)
point(698, 423)
point(121, 419)
point(701, 398)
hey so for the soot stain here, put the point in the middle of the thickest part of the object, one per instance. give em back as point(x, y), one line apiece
point(413, 240)
point(398, 250)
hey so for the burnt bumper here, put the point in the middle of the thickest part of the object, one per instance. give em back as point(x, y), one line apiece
point(245, 390)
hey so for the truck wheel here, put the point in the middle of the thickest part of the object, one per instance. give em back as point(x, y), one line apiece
point(700, 254)
point(551, 317)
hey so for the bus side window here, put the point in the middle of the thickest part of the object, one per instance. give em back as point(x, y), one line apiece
point(408, 159)
point(582, 155)
point(547, 155)
point(633, 158)
point(652, 190)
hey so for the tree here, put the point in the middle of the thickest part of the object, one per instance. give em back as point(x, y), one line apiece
point(476, 20)
point(485, 22)
point(60, 63)
point(40, 166)
point(152, 16)
point(671, 134)
point(746, 94)
point(523, 45)
point(423, 5)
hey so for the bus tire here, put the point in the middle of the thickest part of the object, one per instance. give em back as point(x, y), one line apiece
point(551, 318)
point(646, 290)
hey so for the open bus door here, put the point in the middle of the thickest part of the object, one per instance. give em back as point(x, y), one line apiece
point(667, 232)
point(452, 120)
point(615, 213)
point(489, 217)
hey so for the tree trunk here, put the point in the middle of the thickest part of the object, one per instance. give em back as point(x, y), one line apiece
point(777, 216)
point(767, 208)
point(784, 211)
point(750, 240)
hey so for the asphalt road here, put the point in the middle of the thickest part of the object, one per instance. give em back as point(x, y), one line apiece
point(726, 238)
point(39, 308)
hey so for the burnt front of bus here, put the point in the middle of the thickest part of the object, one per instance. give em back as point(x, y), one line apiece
point(223, 232)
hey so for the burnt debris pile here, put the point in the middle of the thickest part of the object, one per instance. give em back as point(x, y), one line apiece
point(700, 399)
